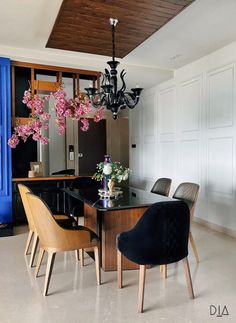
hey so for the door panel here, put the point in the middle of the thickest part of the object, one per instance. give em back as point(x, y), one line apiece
point(92, 147)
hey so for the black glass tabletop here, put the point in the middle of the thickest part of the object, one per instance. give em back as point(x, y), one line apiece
point(128, 198)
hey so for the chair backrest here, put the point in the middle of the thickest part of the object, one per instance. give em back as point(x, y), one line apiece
point(187, 192)
point(84, 182)
point(160, 236)
point(23, 191)
point(52, 236)
point(50, 233)
point(162, 186)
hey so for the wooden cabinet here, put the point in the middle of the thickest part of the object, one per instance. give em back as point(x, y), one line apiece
point(48, 188)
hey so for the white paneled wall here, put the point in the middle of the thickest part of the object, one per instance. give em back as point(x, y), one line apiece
point(185, 129)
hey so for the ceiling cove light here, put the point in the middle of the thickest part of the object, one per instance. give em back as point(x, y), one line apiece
point(109, 96)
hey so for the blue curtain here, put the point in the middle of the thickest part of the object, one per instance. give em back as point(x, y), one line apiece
point(5, 150)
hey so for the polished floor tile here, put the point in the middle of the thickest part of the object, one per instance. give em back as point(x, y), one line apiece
point(74, 296)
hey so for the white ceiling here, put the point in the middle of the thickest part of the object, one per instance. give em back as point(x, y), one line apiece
point(203, 27)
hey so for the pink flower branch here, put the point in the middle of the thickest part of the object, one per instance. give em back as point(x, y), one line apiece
point(77, 109)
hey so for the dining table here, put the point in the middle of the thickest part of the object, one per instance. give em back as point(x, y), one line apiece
point(108, 217)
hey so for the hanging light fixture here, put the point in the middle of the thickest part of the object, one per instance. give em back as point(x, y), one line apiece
point(109, 95)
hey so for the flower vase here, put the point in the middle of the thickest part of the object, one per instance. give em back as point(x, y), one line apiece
point(111, 184)
point(106, 172)
point(105, 181)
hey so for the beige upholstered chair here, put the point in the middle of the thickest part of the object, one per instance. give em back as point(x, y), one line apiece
point(187, 192)
point(33, 235)
point(162, 186)
point(54, 238)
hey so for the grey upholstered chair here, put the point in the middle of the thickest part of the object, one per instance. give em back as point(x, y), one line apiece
point(187, 192)
point(162, 186)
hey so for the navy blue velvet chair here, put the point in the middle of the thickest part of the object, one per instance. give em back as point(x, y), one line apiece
point(160, 237)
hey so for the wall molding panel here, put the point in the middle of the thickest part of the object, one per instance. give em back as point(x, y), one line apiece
point(220, 97)
point(187, 132)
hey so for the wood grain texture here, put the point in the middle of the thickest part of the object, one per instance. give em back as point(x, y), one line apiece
point(108, 225)
point(46, 178)
point(83, 26)
point(57, 68)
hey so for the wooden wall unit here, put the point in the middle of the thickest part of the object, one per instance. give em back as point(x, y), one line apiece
point(24, 75)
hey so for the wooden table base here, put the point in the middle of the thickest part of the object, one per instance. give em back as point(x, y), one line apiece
point(108, 225)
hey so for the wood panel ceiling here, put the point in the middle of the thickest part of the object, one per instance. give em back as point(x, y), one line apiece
point(83, 25)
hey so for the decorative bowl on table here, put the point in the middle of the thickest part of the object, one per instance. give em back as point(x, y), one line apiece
point(110, 195)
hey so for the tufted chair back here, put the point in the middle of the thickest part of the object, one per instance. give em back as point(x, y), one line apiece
point(159, 237)
point(162, 186)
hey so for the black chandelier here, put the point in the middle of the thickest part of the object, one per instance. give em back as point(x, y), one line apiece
point(109, 95)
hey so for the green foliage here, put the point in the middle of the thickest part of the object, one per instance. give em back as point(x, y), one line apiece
point(118, 172)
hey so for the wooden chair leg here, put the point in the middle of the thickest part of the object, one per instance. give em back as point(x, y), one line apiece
point(119, 269)
point(97, 264)
point(161, 268)
point(51, 258)
point(164, 271)
point(188, 277)
point(40, 259)
point(34, 248)
point(142, 274)
point(77, 255)
point(81, 257)
point(29, 239)
point(194, 246)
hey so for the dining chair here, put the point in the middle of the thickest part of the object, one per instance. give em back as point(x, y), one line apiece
point(76, 207)
point(187, 192)
point(54, 238)
point(159, 237)
point(33, 235)
point(162, 186)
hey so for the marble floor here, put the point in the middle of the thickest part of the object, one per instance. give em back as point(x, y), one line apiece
point(74, 296)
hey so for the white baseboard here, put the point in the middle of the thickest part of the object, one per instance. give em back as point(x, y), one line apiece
point(216, 227)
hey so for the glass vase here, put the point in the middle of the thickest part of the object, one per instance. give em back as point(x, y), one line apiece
point(106, 177)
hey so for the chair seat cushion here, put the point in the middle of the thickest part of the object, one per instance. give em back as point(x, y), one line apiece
point(93, 236)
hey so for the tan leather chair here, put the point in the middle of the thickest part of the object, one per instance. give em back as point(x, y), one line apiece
point(33, 235)
point(187, 192)
point(54, 238)
point(162, 186)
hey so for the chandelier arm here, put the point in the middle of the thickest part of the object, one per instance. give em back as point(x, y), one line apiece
point(122, 74)
point(134, 99)
point(109, 95)
point(100, 102)
point(107, 76)
point(103, 79)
